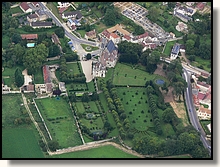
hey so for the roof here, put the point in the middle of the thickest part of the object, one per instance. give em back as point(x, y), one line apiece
point(30, 87)
point(24, 6)
point(201, 96)
point(114, 35)
point(34, 3)
point(77, 13)
point(175, 49)
point(32, 16)
point(111, 46)
point(29, 36)
point(41, 24)
point(200, 6)
point(55, 38)
point(106, 33)
point(143, 35)
point(127, 37)
point(118, 28)
point(40, 12)
point(46, 73)
point(91, 33)
point(203, 84)
point(49, 87)
point(204, 110)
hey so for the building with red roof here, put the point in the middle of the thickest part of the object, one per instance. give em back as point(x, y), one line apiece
point(25, 7)
point(29, 36)
point(200, 6)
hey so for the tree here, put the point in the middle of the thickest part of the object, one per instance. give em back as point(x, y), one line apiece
point(154, 13)
point(19, 78)
point(16, 38)
point(197, 42)
point(53, 145)
point(88, 56)
point(60, 32)
point(34, 58)
point(190, 47)
point(85, 97)
point(95, 96)
point(110, 17)
point(171, 5)
point(19, 52)
point(152, 61)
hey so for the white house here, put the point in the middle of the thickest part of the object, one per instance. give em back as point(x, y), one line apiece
point(74, 14)
point(25, 7)
point(63, 4)
point(204, 113)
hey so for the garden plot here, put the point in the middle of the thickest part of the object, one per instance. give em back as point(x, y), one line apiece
point(59, 120)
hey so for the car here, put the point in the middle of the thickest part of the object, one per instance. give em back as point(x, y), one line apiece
point(209, 147)
point(189, 110)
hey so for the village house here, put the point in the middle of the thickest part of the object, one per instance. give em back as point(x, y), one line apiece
point(72, 23)
point(181, 27)
point(118, 28)
point(99, 70)
point(39, 24)
point(203, 86)
point(74, 14)
point(55, 39)
point(63, 4)
point(32, 18)
point(90, 35)
point(35, 4)
point(190, 3)
point(126, 38)
point(25, 7)
point(181, 14)
point(62, 86)
point(41, 15)
point(175, 51)
point(5, 88)
point(204, 113)
point(200, 6)
point(29, 36)
point(115, 38)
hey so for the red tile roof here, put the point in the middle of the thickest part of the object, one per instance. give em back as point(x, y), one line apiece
point(204, 110)
point(35, 3)
point(91, 33)
point(143, 35)
point(127, 37)
point(114, 35)
point(46, 74)
point(24, 6)
point(29, 36)
point(201, 96)
point(200, 6)
point(203, 84)
point(106, 34)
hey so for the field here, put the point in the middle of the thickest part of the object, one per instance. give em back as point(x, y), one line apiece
point(126, 75)
point(202, 62)
point(16, 10)
point(20, 143)
point(73, 69)
point(8, 76)
point(11, 107)
point(100, 152)
point(60, 121)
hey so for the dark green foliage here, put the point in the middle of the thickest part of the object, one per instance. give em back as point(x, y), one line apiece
point(19, 78)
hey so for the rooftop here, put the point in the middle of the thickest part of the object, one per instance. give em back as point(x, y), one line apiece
point(29, 36)
point(24, 6)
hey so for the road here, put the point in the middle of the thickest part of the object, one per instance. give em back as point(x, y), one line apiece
point(192, 112)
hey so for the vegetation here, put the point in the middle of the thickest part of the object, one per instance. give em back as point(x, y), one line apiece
point(19, 78)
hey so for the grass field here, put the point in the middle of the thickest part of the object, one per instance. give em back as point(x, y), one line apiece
point(38, 77)
point(16, 10)
point(91, 86)
point(11, 109)
point(60, 122)
point(136, 108)
point(205, 63)
point(20, 143)
point(100, 152)
point(126, 75)
point(72, 68)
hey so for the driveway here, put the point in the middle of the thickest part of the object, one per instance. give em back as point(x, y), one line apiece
point(87, 69)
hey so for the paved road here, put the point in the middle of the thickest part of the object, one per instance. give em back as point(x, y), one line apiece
point(192, 112)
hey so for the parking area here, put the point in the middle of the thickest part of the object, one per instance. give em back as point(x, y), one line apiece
point(138, 14)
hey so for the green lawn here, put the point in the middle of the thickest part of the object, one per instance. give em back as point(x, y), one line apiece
point(72, 68)
point(91, 86)
point(39, 77)
point(20, 143)
point(16, 10)
point(125, 75)
point(100, 152)
point(81, 32)
point(60, 121)
point(89, 48)
point(202, 62)
point(76, 87)
point(168, 48)
point(11, 109)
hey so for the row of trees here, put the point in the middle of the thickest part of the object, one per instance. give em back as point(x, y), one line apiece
point(153, 110)
point(186, 141)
